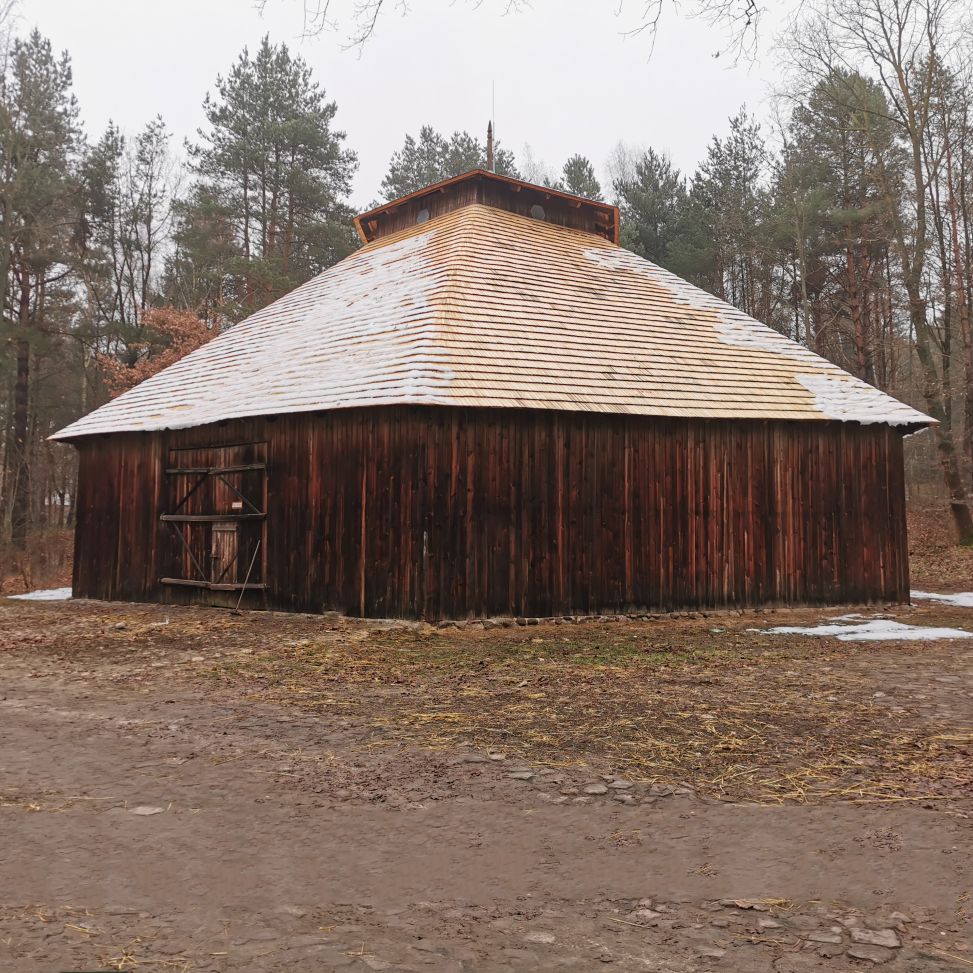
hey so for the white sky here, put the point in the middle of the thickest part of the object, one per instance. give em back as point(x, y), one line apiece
point(567, 79)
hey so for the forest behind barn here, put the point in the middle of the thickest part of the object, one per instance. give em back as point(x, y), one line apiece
point(846, 224)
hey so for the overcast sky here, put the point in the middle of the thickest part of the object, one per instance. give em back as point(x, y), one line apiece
point(567, 78)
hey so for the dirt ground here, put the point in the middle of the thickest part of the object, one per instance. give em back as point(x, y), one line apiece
point(193, 790)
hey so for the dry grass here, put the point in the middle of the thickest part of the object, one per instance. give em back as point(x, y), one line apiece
point(733, 714)
point(736, 714)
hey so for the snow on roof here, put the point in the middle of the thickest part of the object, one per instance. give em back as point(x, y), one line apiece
point(484, 307)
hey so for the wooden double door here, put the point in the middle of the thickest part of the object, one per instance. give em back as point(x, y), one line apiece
point(216, 517)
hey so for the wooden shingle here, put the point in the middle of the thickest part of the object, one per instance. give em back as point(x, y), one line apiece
point(480, 306)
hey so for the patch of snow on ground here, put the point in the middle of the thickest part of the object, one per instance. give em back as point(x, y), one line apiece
point(45, 594)
point(962, 600)
point(855, 615)
point(879, 630)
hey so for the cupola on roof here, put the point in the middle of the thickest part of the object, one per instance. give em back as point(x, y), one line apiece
point(501, 192)
point(488, 292)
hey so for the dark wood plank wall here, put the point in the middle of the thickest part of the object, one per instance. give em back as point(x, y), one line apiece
point(442, 512)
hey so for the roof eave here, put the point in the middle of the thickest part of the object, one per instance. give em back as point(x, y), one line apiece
point(905, 428)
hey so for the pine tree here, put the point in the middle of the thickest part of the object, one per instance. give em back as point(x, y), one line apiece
point(272, 164)
point(420, 162)
point(653, 202)
point(578, 177)
point(202, 271)
point(827, 205)
point(432, 158)
point(730, 195)
point(41, 234)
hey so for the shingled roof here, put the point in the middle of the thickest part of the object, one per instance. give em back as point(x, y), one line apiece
point(484, 307)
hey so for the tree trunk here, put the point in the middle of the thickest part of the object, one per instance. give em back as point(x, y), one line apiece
point(912, 259)
point(959, 290)
point(934, 395)
point(855, 307)
point(20, 507)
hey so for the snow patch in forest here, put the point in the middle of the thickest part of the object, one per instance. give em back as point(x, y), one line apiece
point(877, 630)
point(963, 599)
point(45, 594)
point(844, 398)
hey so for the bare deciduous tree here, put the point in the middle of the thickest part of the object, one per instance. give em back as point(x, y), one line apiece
point(739, 19)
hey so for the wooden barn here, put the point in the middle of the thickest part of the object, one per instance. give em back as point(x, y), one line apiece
point(493, 409)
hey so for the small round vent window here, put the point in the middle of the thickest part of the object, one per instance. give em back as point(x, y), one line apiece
point(422, 216)
point(537, 211)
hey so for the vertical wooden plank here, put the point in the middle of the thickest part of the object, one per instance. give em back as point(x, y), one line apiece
point(521, 511)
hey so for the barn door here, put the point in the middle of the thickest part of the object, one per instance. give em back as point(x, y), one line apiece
point(216, 517)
